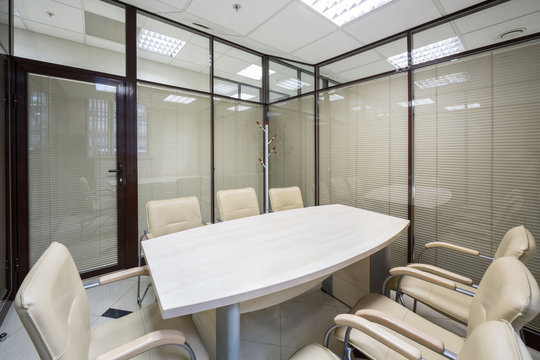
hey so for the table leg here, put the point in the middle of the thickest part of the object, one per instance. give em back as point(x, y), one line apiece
point(228, 332)
point(379, 264)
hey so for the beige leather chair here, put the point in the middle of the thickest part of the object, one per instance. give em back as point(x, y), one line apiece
point(517, 242)
point(285, 198)
point(166, 217)
point(237, 203)
point(492, 340)
point(53, 307)
point(508, 291)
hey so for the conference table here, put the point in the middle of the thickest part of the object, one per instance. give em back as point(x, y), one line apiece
point(222, 265)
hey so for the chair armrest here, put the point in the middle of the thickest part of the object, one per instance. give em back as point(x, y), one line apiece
point(432, 278)
point(149, 236)
point(124, 274)
point(440, 244)
point(143, 344)
point(381, 335)
point(443, 273)
point(402, 328)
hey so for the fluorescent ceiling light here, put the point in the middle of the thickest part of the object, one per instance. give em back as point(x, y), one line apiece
point(179, 99)
point(429, 52)
point(443, 80)
point(417, 102)
point(356, 108)
point(105, 88)
point(462, 107)
point(334, 97)
point(243, 96)
point(253, 72)
point(239, 108)
point(292, 84)
point(159, 43)
point(224, 88)
point(343, 11)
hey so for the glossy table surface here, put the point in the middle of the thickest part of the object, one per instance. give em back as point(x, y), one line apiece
point(226, 263)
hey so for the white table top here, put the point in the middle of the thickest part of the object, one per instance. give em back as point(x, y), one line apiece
point(238, 260)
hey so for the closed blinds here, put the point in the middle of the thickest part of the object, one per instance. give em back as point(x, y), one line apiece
point(238, 145)
point(3, 178)
point(293, 162)
point(363, 149)
point(71, 147)
point(477, 157)
point(173, 147)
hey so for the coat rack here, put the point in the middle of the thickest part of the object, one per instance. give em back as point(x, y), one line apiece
point(265, 164)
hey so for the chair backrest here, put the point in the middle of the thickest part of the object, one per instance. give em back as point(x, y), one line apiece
point(285, 198)
point(480, 345)
point(173, 215)
point(53, 306)
point(508, 291)
point(517, 242)
point(237, 203)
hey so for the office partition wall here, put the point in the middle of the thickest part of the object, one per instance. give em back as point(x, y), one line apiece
point(363, 149)
point(173, 147)
point(293, 161)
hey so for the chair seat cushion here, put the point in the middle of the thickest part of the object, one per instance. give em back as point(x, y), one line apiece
point(117, 332)
point(314, 352)
point(375, 350)
point(446, 301)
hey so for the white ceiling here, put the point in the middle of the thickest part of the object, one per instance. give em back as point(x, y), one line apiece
point(285, 28)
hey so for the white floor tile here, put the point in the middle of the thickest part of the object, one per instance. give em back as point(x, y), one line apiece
point(18, 346)
point(102, 297)
point(250, 350)
point(262, 326)
point(11, 323)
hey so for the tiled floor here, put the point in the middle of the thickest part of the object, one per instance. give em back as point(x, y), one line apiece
point(269, 334)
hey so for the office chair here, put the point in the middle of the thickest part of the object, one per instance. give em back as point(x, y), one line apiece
point(237, 203)
point(508, 291)
point(53, 307)
point(166, 217)
point(517, 242)
point(95, 202)
point(285, 198)
point(492, 340)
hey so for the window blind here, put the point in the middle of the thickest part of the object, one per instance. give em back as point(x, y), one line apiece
point(293, 163)
point(476, 154)
point(173, 147)
point(363, 149)
point(238, 145)
point(71, 147)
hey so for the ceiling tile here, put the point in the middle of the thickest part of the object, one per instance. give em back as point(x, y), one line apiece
point(329, 46)
point(293, 27)
point(105, 9)
point(64, 16)
point(152, 6)
point(251, 14)
point(177, 4)
point(54, 31)
point(388, 20)
point(455, 5)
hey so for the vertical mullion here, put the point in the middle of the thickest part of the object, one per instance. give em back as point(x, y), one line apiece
point(410, 155)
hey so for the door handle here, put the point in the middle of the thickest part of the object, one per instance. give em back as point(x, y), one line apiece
point(119, 173)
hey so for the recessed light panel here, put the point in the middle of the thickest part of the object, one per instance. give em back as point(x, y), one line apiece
point(253, 72)
point(343, 11)
point(239, 108)
point(243, 96)
point(417, 102)
point(179, 99)
point(159, 43)
point(292, 84)
point(443, 80)
point(429, 52)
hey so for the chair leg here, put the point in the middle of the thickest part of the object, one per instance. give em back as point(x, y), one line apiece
point(414, 305)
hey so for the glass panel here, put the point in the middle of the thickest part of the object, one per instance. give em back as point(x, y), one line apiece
point(476, 145)
point(4, 24)
point(167, 54)
point(71, 147)
point(289, 79)
point(238, 146)
point(499, 23)
point(4, 259)
point(293, 162)
point(371, 62)
point(91, 36)
point(363, 150)
point(233, 66)
point(173, 147)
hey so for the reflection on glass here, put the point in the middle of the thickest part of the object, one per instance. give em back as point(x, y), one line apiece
point(364, 64)
point(237, 73)
point(170, 55)
point(289, 79)
point(342, 11)
point(86, 34)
